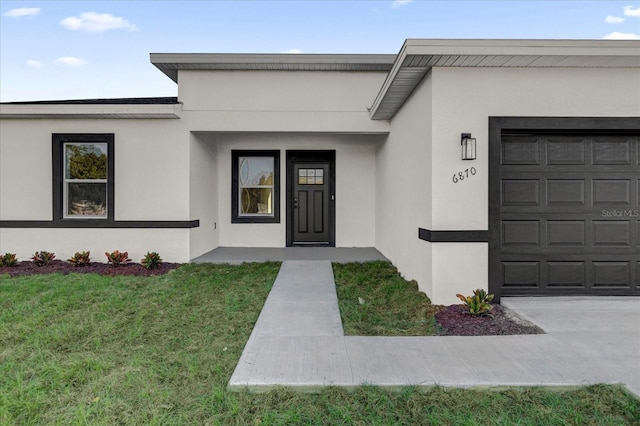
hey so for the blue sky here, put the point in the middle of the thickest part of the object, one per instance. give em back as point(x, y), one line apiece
point(100, 49)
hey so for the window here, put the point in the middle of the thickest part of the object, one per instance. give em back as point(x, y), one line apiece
point(255, 192)
point(311, 177)
point(83, 176)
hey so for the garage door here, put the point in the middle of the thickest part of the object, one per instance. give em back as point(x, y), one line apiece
point(568, 219)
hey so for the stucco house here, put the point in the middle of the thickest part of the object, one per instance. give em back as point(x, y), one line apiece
point(275, 150)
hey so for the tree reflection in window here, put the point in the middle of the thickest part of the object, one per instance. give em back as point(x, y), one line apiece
point(255, 185)
point(85, 180)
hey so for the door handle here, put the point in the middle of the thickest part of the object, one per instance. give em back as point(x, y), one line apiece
point(295, 202)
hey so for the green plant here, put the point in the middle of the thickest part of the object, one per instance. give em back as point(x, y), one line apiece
point(117, 258)
point(478, 304)
point(81, 258)
point(151, 260)
point(9, 259)
point(43, 258)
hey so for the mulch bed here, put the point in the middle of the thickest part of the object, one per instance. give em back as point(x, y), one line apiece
point(453, 321)
point(61, 267)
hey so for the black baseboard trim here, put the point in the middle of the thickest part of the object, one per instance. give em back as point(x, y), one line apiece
point(453, 236)
point(98, 224)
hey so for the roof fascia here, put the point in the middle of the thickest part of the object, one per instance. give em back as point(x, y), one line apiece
point(390, 77)
point(582, 50)
point(171, 63)
point(64, 111)
point(523, 47)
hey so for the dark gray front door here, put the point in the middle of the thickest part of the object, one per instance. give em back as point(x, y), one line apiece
point(568, 219)
point(310, 198)
point(311, 203)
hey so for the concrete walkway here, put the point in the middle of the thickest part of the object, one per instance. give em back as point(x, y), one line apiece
point(298, 341)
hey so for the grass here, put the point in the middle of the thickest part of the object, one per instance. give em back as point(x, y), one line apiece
point(87, 349)
point(91, 350)
point(374, 300)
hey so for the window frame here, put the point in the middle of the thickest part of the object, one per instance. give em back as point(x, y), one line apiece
point(236, 217)
point(59, 193)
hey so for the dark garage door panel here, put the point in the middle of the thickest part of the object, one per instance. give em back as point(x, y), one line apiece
point(569, 215)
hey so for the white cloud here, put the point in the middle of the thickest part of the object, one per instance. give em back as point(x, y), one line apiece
point(613, 19)
point(630, 11)
point(22, 11)
point(96, 22)
point(292, 51)
point(622, 36)
point(31, 63)
point(70, 61)
point(398, 3)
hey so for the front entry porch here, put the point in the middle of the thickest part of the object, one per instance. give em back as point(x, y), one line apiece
point(261, 254)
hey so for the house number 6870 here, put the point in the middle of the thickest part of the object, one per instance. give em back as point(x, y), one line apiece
point(460, 176)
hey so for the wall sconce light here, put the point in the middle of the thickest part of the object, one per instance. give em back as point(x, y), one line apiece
point(468, 146)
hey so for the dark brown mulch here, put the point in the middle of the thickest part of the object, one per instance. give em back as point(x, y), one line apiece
point(453, 321)
point(61, 267)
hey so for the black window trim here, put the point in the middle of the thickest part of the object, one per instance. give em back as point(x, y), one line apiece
point(58, 141)
point(235, 216)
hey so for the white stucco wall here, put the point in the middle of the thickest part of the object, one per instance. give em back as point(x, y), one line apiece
point(355, 199)
point(463, 99)
point(25, 171)
point(403, 189)
point(264, 101)
point(151, 183)
point(203, 195)
point(171, 244)
point(151, 163)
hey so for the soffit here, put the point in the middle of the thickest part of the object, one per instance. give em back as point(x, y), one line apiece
point(418, 56)
point(171, 63)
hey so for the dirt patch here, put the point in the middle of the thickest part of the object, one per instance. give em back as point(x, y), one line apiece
point(58, 266)
point(453, 321)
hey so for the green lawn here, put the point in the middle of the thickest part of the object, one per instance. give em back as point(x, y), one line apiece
point(85, 349)
point(374, 300)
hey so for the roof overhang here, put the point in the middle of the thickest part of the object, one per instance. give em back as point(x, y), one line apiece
point(89, 111)
point(418, 56)
point(171, 63)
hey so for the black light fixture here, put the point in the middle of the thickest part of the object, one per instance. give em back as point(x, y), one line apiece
point(468, 146)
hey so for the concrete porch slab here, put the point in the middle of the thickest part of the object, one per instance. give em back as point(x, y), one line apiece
point(235, 255)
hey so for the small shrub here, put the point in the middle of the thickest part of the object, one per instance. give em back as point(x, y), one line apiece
point(43, 258)
point(9, 259)
point(117, 258)
point(151, 260)
point(479, 304)
point(81, 258)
